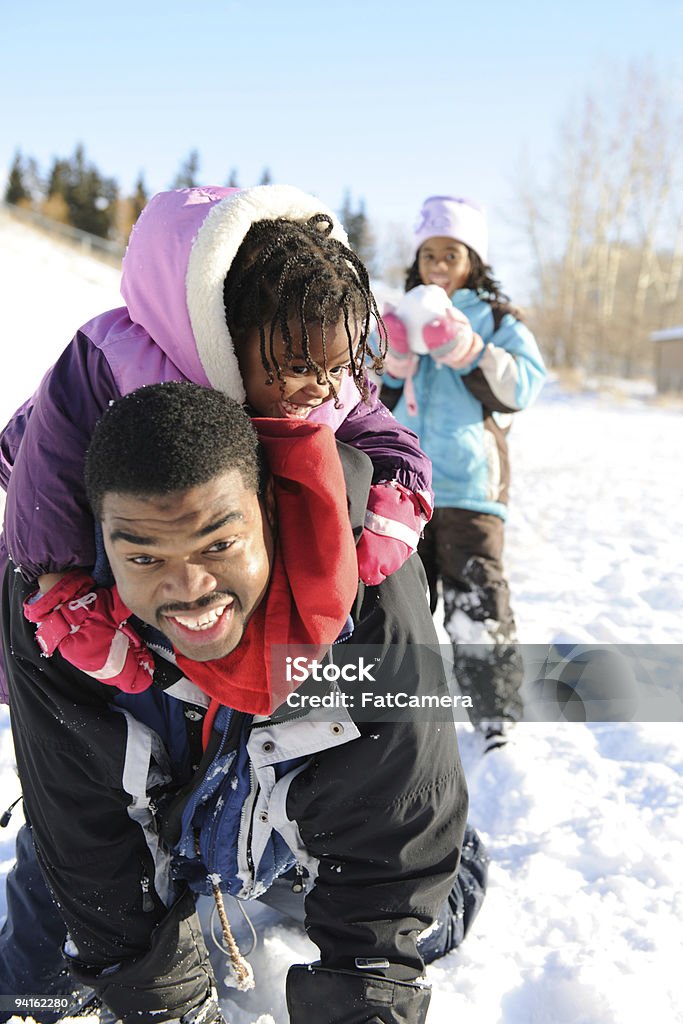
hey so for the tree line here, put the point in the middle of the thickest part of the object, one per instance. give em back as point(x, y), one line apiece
point(75, 192)
point(602, 223)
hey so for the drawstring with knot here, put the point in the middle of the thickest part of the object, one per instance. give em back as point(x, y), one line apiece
point(243, 976)
point(216, 939)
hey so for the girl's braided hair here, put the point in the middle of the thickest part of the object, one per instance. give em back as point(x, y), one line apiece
point(288, 270)
point(481, 280)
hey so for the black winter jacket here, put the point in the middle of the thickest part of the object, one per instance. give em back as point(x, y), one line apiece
point(380, 816)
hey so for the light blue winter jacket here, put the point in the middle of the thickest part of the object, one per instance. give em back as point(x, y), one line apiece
point(463, 415)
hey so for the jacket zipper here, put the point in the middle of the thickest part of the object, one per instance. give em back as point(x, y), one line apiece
point(147, 901)
point(298, 883)
point(254, 789)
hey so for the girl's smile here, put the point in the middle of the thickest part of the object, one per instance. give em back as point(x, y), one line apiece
point(296, 392)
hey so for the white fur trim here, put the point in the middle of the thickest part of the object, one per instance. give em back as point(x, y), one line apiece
point(213, 251)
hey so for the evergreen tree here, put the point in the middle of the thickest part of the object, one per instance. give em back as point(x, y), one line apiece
point(59, 178)
point(17, 190)
point(232, 180)
point(129, 209)
point(55, 205)
point(89, 197)
point(33, 180)
point(266, 177)
point(189, 169)
point(139, 197)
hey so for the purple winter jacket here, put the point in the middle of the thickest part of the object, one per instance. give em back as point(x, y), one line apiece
point(172, 328)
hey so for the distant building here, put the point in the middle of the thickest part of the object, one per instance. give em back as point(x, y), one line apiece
point(669, 358)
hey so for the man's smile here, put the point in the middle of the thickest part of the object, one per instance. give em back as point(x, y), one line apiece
point(202, 632)
point(201, 619)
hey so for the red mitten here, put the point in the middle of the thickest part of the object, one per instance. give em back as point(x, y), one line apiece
point(394, 520)
point(88, 625)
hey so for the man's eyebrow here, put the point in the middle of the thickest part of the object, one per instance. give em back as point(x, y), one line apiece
point(231, 517)
point(132, 538)
point(150, 542)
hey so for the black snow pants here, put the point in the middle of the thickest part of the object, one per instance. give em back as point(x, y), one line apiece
point(464, 551)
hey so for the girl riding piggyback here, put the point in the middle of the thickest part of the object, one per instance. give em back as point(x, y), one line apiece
point(254, 292)
point(460, 362)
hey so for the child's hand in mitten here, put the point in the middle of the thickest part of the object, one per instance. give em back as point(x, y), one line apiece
point(394, 521)
point(88, 625)
point(451, 341)
point(399, 361)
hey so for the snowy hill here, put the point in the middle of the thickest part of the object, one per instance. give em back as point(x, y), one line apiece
point(52, 288)
point(583, 822)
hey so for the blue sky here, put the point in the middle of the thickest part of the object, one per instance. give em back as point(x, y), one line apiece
point(394, 101)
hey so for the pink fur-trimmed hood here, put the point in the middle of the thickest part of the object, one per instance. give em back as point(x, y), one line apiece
point(177, 257)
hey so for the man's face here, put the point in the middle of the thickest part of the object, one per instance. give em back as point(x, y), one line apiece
point(194, 563)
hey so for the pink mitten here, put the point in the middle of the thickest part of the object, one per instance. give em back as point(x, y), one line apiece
point(451, 341)
point(88, 625)
point(461, 359)
point(397, 335)
point(394, 521)
point(399, 361)
point(446, 334)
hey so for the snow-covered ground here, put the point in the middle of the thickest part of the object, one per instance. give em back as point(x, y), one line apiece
point(583, 923)
point(48, 290)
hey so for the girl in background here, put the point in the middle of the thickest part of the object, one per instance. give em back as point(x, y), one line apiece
point(460, 362)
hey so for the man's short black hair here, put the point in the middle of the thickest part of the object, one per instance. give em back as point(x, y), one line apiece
point(169, 437)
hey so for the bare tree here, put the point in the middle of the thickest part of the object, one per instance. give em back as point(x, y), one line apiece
point(606, 230)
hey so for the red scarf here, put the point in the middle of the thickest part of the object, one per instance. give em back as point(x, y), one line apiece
point(314, 576)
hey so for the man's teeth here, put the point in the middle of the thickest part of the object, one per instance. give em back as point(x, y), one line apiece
point(205, 621)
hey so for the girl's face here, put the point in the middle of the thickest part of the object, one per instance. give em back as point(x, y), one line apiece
point(445, 262)
point(298, 393)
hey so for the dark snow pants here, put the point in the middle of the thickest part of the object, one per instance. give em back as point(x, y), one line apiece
point(464, 550)
point(32, 936)
point(31, 961)
point(455, 917)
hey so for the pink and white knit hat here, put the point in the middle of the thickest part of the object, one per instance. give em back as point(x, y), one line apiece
point(448, 217)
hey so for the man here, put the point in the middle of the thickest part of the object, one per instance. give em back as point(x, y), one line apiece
point(128, 803)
